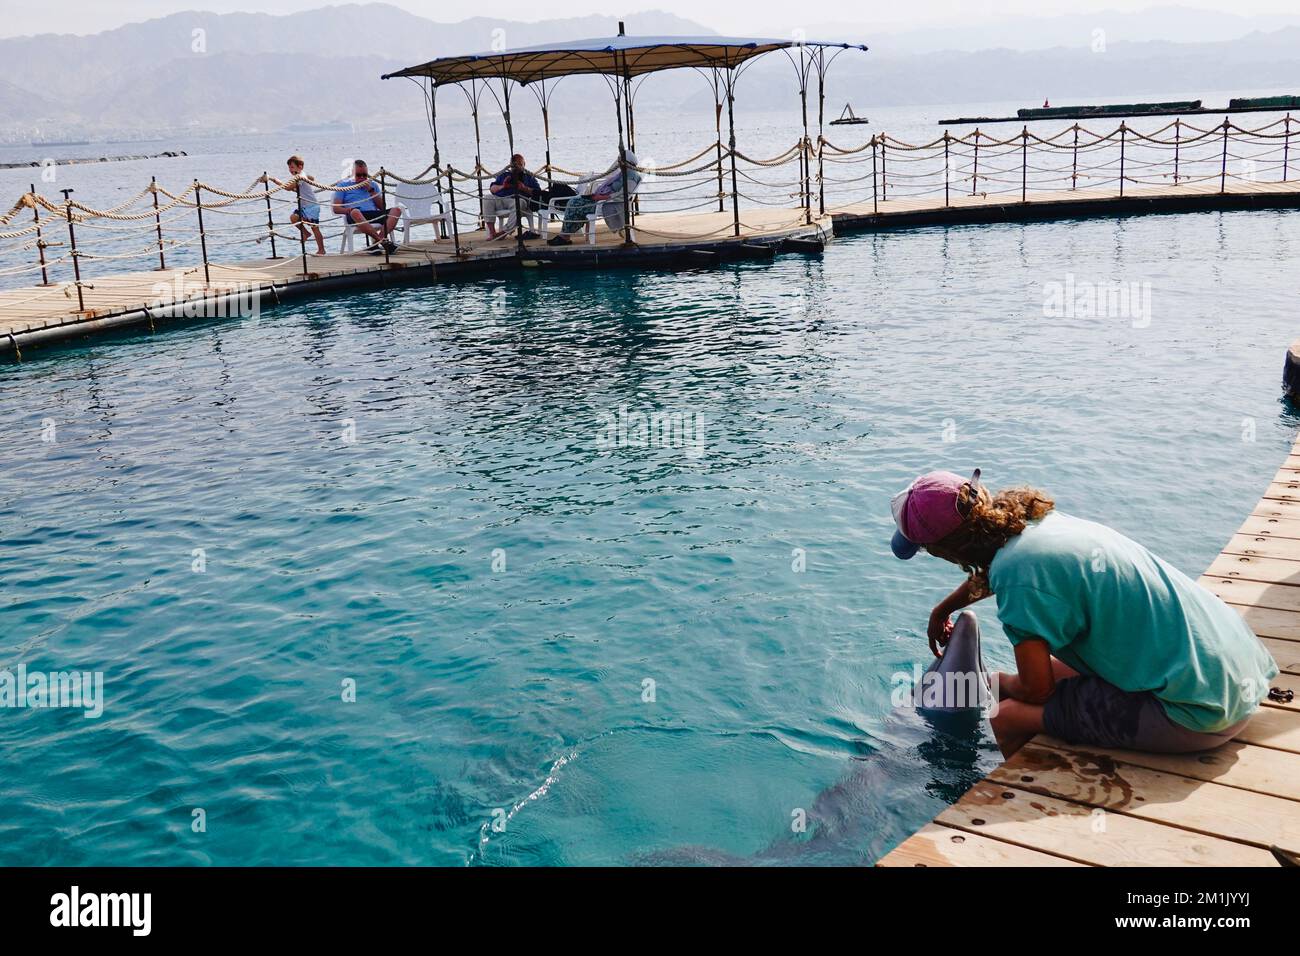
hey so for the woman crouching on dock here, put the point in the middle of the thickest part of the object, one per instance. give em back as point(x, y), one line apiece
point(1114, 647)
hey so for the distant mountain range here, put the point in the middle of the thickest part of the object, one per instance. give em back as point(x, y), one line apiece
point(246, 71)
point(1174, 24)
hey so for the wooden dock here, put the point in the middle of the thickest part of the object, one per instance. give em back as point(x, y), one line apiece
point(40, 314)
point(48, 313)
point(1054, 804)
point(964, 209)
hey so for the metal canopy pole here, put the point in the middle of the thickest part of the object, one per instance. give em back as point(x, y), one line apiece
point(804, 159)
point(510, 139)
point(717, 123)
point(622, 159)
point(629, 202)
point(437, 154)
point(821, 131)
point(478, 144)
point(731, 143)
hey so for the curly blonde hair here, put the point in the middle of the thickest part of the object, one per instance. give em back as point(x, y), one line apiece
point(991, 521)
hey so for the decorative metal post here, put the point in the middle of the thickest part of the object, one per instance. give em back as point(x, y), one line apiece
point(1024, 164)
point(731, 143)
point(302, 231)
point(884, 170)
point(383, 199)
point(40, 242)
point(875, 202)
point(1223, 172)
point(72, 242)
point(203, 236)
point(270, 221)
point(451, 193)
point(1286, 148)
point(975, 170)
point(157, 222)
point(1074, 161)
point(1178, 144)
point(1123, 134)
point(946, 167)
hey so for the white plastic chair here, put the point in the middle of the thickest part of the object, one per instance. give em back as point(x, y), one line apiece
point(556, 207)
point(349, 227)
point(505, 222)
point(417, 210)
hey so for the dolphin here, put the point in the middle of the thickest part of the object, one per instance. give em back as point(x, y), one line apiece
point(956, 683)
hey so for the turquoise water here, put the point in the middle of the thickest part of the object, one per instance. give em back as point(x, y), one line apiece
point(517, 696)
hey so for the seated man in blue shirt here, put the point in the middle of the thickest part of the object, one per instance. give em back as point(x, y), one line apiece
point(361, 202)
point(501, 202)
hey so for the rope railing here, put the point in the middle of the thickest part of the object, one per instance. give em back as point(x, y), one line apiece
point(192, 225)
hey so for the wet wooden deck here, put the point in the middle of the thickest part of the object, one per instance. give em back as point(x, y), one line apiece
point(1053, 804)
point(53, 310)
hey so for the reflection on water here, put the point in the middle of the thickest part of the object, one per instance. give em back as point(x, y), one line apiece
point(625, 651)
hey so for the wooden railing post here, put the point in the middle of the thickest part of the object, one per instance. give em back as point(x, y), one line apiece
point(1223, 172)
point(40, 242)
point(203, 236)
point(270, 221)
point(72, 251)
point(157, 222)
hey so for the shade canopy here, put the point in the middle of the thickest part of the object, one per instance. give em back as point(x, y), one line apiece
point(616, 55)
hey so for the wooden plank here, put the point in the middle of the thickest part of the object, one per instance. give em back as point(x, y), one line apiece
point(1235, 764)
point(1088, 834)
point(1264, 546)
point(937, 845)
point(1284, 490)
point(1273, 727)
point(1270, 622)
point(1239, 591)
point(1286, 653)
point(1255, 568)
point(1083, 775)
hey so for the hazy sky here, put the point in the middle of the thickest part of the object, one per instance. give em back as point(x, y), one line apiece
point(734, 16)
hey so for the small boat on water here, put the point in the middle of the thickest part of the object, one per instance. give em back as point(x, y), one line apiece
point(847, 118)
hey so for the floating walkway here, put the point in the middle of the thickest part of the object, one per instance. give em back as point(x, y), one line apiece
point(716, 205)
point(1054, 804)
point(911, 213)
point(49, 313)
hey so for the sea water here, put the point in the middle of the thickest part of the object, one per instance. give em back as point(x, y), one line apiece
point(401, 577)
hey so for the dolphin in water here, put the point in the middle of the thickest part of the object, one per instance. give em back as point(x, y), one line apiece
point(956, 683)
point(951, 698)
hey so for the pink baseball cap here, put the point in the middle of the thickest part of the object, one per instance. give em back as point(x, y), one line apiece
point(926, 510)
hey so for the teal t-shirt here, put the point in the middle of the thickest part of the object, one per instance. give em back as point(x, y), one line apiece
point(1109, 607)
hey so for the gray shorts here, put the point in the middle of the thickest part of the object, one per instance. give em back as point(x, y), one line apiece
point(1088, 710)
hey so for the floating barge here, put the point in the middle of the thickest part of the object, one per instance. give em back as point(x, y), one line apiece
point(1262, 104)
